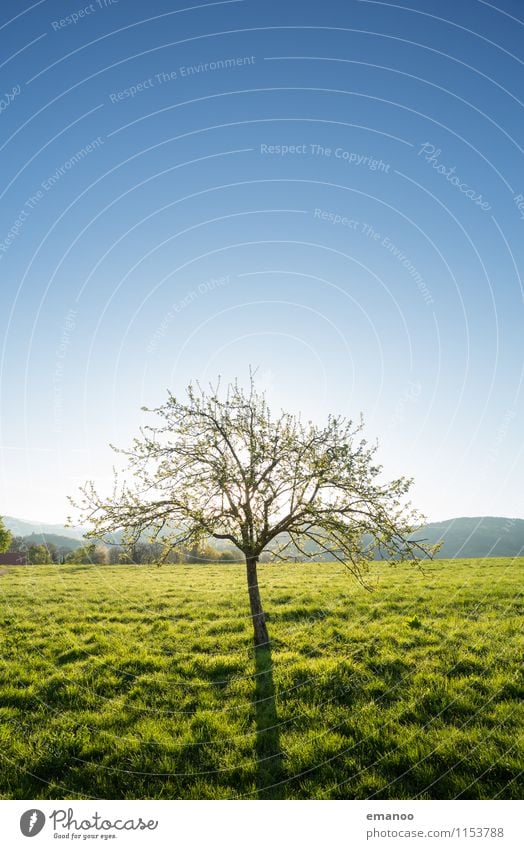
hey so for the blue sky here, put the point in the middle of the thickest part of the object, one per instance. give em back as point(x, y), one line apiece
point(329, 192)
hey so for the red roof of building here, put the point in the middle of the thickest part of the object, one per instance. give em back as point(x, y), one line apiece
point(11, 558)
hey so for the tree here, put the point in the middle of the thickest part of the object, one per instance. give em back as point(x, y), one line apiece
point(202, 553)
point(115, 554)
point(221, 465)
point(53, 552)
point(61, 553)
point(38, 555)
point(19, 548)
point(5, 537)
point(92, 553)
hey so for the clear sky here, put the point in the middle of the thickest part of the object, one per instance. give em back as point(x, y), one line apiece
point(330, 191)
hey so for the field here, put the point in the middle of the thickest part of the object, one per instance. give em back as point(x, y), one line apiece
point(141, 682)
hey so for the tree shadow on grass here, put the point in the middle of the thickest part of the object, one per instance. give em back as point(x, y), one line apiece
point(270, 773)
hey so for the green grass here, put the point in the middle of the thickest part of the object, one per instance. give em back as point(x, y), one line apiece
point(141, 682)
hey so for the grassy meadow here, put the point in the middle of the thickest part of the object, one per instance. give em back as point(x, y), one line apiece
point(141, 682)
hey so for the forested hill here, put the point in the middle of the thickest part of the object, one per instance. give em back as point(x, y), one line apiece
point(478, 536)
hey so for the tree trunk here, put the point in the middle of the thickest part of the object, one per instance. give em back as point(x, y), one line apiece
point(257, 612)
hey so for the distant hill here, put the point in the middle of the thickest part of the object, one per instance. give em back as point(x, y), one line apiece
point(62, 542)
point(477, 536)
point(25, 527)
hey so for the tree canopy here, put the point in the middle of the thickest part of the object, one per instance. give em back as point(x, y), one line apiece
point(220, 464)
point(5, 537)
point(38, 555)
